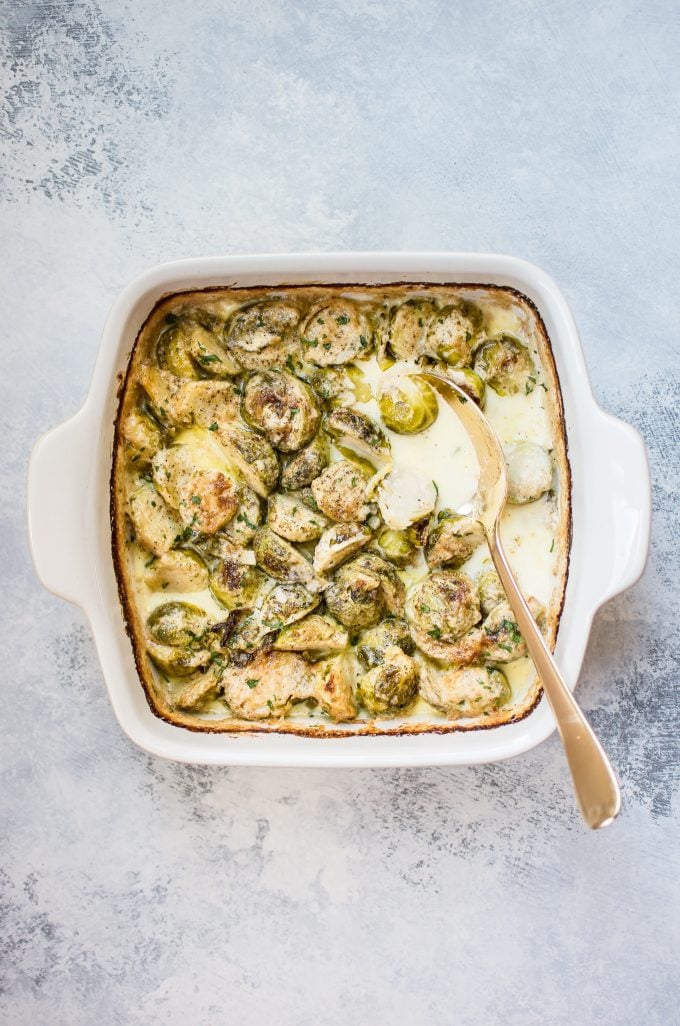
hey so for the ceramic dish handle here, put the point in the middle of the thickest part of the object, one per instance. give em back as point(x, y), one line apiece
point(57, 499)
point(620, 465)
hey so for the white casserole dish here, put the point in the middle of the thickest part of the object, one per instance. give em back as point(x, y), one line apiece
point(70, 537)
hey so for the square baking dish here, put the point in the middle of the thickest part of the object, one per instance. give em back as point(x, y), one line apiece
point(70, 534)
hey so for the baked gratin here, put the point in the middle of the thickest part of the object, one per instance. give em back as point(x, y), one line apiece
point(293, 508)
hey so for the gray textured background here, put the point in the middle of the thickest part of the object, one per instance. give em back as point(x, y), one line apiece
point(139, 892)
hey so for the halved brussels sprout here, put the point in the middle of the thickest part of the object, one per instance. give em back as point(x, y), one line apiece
point(281, 406)
point(199, 693)
point(397, 546)
point(491, 591)
point(162, 389)
point(253, 455)
point(374, 643)
point(334, 682)
point(453, 540)
point(408, 405)
point(340, 492)
point(408, 328)
point(466, 691)
point(306, 464)
point(390, 686)
point(358, 432)
point(235, 584)
point(287, 603)
point(337, 333)
point(268, 685)
point(405, 498)
point(177, 623)
point(530, 472)
point(207, 404)
point(176, 571)
point(178, 661)
point(453, 331)
point(241, 529)
point(282, 561)
point(338, 543)
point(205, 499)
point(155, 526)
point(503, 641)
point(189, 350)
point(293, 520)
point(445, 605)
point(469, 382)
point(361, 387)
point(505, 364)
point(363, 590)
point(142, 438)
point(257, 326)
point(313, 634)
point(246, 633)
point(469, 648)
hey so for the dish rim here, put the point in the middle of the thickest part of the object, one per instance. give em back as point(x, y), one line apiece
point(615, 567)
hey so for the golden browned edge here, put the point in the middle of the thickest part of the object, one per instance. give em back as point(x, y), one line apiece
point(133, 624)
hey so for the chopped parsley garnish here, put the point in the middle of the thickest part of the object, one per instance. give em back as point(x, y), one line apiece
point(313, 342)
point(552, 545)
point(424, 608)
point(213, 426)
point(326, 345)
point(270, 703)
point(209, 358)
point(243, 519)
point(435, 633)
point(150, 561)
point(342, 319)
point(363, 342)
point(252, 682)
point(461, 398)
point(196, 499)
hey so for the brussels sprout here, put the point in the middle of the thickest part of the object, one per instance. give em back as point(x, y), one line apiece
point(246, 633)
point(405, 497)
point(491, 591)
point(176, 571)
point(155, 526)
point(453, 540)
point(374, 642)
point(445, 605)
point(336, 334)
point(281, 406)
point(207, 404)
point(390, 686)
point(361, 387)
point(503, 642)
point(260, 325)
point(287, 603)
point(466, 691)
point(199, 693)
point(408, 405)
point(205, 500)
point(282, 561)
point(293, 520)
point(331, 383)
point(254, 457)
point(338, 543)
point(235, 584)
point(162, 389)
point(358, 432)
point(241, 529)
point(505, 364)
point(188, 350)
point(306, 464)
point(469, 382)
point(268, 685)
point(334, 682)
point(397, 546)
point(313, 634)
point(530, 472)
point(178, 661)
point(469, 648)
point(453, 331)
point(363, 590)
point(408, 328)
point(142, 438)
point(340, 492)
point(177, 623)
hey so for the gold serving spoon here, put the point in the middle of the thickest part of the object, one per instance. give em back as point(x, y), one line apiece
point(595, 784)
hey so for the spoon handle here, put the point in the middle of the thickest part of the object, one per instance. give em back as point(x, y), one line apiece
point(595, 783)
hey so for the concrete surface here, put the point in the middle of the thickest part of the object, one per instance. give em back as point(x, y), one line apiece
point(135, 891)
